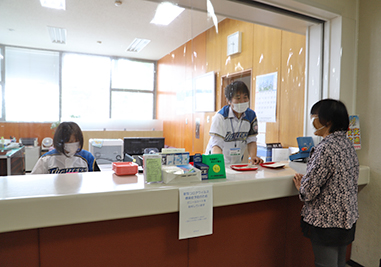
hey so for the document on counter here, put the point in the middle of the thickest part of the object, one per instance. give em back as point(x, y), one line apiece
point(196, 211)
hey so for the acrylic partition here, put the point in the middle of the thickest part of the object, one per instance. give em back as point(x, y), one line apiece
point(192, 59)
point(271, 60)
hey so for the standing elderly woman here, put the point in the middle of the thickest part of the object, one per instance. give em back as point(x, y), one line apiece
point(329, 187)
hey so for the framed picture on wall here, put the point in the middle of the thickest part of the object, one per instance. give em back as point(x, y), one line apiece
point(204, 88)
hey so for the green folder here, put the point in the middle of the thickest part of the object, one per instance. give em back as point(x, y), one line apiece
point(216, 165)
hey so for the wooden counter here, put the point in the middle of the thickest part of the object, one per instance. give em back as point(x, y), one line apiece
point(75, 219)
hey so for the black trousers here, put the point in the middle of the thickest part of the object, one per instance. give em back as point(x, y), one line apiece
point(329, 256)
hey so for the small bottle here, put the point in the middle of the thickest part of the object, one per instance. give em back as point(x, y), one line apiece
point(2, 142)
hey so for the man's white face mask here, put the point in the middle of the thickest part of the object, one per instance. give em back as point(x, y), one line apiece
point(71, 148)
point(240, 107)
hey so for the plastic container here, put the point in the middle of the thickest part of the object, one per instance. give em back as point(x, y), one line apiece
point(125, 168)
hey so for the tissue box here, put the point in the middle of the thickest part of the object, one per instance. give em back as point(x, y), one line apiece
point(180, 178)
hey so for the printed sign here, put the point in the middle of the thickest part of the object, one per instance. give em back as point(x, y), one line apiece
point(196, 211)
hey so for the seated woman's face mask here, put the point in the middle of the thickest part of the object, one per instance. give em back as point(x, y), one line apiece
point(71, 148)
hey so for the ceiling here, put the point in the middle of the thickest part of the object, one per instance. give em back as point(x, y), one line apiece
point(98, 27)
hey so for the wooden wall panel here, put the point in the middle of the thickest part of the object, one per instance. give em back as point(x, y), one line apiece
point(141, 241)
point(262, 233)
point(19, 248)
point(175, 72)
point(207, 123)
point(19, 130)
point(291, 115)
point(195, 66)
point(171, 74)
point(267, 59)
point(213, 60)
point(42, 130)
point(238, 62)
point(217, 59)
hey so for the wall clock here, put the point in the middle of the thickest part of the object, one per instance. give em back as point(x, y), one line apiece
point(234, 43)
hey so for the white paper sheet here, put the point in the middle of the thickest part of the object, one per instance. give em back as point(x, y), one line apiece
point(196, 211)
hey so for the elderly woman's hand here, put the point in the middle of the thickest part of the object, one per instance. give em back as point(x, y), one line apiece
point(297, 178)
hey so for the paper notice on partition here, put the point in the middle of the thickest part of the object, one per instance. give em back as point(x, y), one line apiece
point(266, 97)
point(196, 211)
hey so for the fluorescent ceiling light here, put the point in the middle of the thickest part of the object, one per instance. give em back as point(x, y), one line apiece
point(57, 35)
point(56, 4)
point(137, 45)
point(165, 13)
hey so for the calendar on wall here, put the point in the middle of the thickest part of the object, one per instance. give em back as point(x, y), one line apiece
point(266, 97)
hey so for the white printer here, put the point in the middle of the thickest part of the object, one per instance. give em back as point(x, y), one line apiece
point(106, 151)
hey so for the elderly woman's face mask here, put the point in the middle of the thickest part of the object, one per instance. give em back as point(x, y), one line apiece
point(313, 125)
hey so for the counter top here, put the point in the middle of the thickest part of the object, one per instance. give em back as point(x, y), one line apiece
point(36, 201)
point(8, 152)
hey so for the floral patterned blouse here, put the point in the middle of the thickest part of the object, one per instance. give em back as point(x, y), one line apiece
point(329, 188)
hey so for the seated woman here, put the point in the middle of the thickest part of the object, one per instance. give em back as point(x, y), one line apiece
point(67, 155)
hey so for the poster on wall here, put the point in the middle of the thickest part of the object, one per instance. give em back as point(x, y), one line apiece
point(204, 92)
point(266, 97)
point(354, 131)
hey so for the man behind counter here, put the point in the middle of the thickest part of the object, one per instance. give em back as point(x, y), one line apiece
point(234, 127)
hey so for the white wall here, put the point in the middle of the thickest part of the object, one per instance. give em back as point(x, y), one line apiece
point(359, 87)
point(366, 249)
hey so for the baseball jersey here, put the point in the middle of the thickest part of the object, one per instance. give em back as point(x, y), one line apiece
point(56, 162)
point(230, 133)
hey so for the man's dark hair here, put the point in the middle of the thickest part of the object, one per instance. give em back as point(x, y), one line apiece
point(236, 87)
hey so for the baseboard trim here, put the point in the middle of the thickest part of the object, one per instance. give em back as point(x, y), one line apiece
point(354, 264)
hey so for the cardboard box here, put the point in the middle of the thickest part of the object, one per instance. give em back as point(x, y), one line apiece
point(203, 168)
point(266, 152)
point(181, 178)
point(175, 158)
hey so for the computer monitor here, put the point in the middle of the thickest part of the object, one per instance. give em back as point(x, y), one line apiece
point(136, 145)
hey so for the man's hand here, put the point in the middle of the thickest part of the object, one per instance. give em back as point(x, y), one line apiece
point(255, 160)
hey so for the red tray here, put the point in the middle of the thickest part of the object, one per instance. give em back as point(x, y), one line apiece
point(273, 165)
point(124, 168)
point(244, 167)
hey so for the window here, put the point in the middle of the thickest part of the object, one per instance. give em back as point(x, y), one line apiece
point(85, 86)
point(32, 82)
point(132, 89)
point(31, 85)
